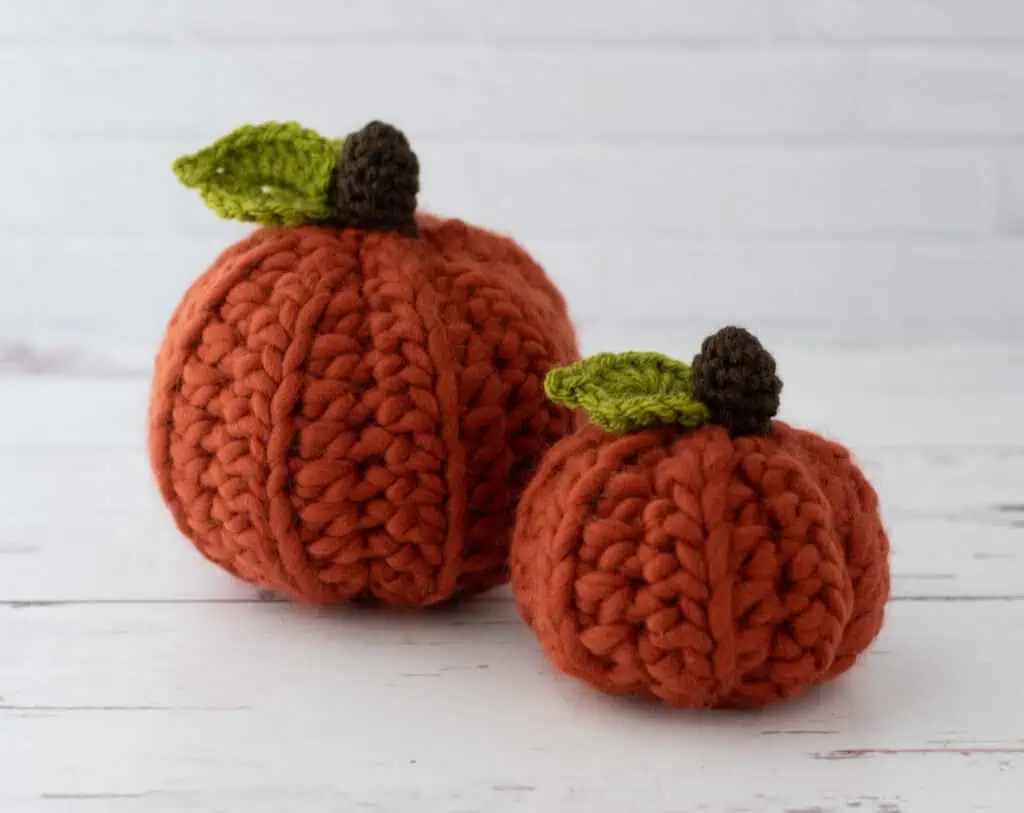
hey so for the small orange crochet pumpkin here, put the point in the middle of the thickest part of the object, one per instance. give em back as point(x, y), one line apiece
point(348, 402)
point(686, 546)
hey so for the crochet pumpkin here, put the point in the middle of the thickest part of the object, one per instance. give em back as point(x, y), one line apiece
point(348, 402)
point(686, 546)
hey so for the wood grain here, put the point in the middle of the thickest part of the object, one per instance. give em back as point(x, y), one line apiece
point(136, 678)
point(269, 707)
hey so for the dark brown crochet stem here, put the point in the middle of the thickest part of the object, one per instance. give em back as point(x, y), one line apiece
point(377, 180)
point(734, 377)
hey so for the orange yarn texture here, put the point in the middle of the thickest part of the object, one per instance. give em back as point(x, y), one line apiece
point(340, 414)
point(698, 568)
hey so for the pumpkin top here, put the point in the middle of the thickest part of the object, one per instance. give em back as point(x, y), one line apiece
point(283, 174)
point(732, 383)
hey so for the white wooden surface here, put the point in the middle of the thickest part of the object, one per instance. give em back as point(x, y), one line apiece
point(134, 678)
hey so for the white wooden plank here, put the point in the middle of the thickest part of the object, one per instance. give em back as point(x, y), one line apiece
point(891, 290)
point(550, 190)
point(1010, 167)
point(673, 22)
point(850, 289)
point(561, 94)
point(67, 20)
point(355, 21)
point(531, 92)
point(264, 707)
point(924, 92)
point(645, 21)
point(925, 21)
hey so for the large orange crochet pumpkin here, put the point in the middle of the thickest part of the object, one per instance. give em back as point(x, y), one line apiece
point(686, 546)
point(349, 401)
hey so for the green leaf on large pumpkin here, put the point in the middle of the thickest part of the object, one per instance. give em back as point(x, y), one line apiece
point(276, 174)
point(622, 392)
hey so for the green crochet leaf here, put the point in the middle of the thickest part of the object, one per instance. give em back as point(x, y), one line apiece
point(622, 392)
point(277, 174)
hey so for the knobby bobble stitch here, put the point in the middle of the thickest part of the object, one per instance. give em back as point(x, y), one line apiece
point(348, 402)
point(707, 557)
point(377, 180)
point(735, 377)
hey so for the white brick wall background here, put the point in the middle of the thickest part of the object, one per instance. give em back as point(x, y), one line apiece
point(818, 169)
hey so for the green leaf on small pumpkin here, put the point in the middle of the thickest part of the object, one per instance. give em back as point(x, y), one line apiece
point(622, 392)
point(276, 174)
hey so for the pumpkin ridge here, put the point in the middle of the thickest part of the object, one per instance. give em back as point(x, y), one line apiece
point(286, 402)
point(231, 267)
point(498, 328)
point(422, 281)
point(311, 271)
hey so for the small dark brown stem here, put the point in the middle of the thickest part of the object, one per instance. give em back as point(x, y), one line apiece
point(377, 180)
point(734, 377)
